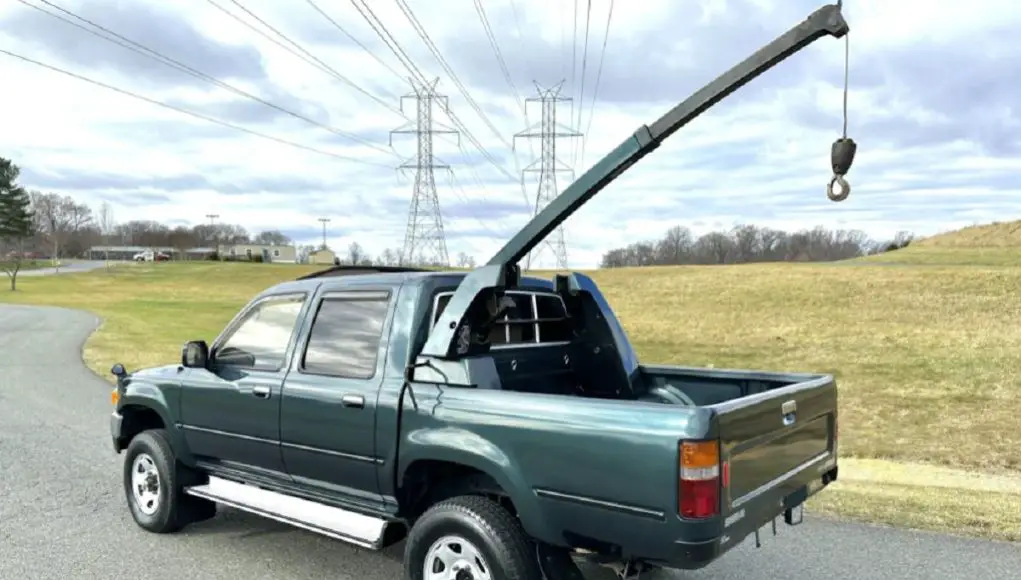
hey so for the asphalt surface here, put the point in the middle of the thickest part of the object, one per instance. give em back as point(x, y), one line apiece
point(63, 513)
point(69, 268)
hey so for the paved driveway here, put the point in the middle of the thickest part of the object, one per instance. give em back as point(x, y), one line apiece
point(69, 268)
point(63, 514)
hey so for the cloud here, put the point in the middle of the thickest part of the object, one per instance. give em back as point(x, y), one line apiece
point(162, 30)
point(932, 105)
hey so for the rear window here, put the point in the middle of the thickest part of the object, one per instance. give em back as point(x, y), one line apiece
point(539, 318)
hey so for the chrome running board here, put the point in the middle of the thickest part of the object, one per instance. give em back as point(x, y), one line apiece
point(339, 524)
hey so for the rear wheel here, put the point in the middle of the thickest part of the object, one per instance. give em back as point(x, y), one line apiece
point(469, 538)
point(154, 486)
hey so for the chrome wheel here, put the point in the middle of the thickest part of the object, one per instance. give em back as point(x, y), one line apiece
point(145, 484)
point(455, 558)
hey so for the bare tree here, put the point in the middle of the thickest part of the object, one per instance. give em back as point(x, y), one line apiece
point(389, 257)
point(57, 218)
point(355, 253)
point(674, 246)
point(465, 261)
point(181, 239)
point(271, 238)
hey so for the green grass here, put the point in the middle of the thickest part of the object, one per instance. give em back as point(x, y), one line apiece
point(925, 344)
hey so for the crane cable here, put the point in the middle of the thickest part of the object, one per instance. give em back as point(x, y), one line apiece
point(843, 149)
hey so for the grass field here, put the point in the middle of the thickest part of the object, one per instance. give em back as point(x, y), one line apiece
point(925, 343)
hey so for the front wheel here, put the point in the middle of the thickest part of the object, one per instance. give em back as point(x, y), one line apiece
point(469, 538)
point(154, 487)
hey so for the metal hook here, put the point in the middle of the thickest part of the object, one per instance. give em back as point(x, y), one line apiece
point(845, 188)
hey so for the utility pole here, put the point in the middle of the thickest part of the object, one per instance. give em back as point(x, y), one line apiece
point(324, 221)
point(424, 239)
point(212, 232)
point(547, 166)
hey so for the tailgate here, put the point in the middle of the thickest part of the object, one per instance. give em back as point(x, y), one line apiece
point(775, 443)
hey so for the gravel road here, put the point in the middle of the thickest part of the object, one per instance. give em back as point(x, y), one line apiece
point(62, 512)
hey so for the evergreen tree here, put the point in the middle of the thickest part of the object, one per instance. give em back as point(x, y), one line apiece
point(16, 222)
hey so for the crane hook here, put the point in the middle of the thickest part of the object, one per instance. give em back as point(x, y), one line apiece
point(844, 148)
point(841, 158)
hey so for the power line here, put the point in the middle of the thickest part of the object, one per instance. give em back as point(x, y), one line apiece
point(351, 37)
point(496, 50)
point(304, 54)
point(517, 21)
point(383, 33)
point(584, 66)
point(599, 76)
point(495, 45)
point(446, 67)
point(391, 43)
point(187, 112)
point(574, 49)
point(574, 61)
point(368, 51)
point(150, 53)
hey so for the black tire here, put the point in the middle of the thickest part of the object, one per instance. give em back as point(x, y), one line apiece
point(486, 526)
point(169, 508)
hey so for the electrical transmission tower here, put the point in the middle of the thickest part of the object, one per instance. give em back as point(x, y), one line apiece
point(548, 165)
point(424, 240)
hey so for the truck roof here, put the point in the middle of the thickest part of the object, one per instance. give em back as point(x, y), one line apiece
point(384, 275)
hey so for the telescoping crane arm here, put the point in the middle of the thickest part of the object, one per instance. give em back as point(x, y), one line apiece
point(826, 21)
point(448, 338)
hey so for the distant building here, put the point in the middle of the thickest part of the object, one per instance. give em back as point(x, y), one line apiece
point(269, 253)
point(322, 256)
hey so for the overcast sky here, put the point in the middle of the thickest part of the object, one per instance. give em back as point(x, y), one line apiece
point(933, 107)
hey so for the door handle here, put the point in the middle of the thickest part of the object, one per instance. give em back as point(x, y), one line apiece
point(355, 401)
point(261, 391)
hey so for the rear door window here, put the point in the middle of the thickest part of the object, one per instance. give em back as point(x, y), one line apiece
point(346, 334)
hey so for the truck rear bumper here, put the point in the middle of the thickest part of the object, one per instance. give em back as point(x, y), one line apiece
point(695, 555)
point(692, 555)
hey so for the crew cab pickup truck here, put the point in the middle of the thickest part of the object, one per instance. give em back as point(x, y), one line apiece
point(501, 424)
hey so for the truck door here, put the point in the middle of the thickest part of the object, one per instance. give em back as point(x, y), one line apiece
point(230, 411)
point(327, 415)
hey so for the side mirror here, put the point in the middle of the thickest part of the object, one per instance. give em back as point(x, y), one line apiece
point(195, 354)
point(118, 370)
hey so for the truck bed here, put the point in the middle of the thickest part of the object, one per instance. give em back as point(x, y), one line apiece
point(706, 386)
point(771, 425)
point(605, 471)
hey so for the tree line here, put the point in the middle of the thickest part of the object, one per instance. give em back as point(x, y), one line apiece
point(748, 243)
point(35, 224)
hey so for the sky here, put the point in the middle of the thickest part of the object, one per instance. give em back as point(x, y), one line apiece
point(932, 106)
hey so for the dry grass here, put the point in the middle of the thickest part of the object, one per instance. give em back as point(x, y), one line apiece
point(995, 235)
point(924, 498)
point(927, 353)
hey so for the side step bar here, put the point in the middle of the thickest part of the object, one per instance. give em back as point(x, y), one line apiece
point(340, 524)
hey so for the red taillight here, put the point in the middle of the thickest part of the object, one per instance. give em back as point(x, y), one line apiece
point(699, 486)
point(700, 499)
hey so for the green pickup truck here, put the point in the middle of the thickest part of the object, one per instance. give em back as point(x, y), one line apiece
point(501, 424)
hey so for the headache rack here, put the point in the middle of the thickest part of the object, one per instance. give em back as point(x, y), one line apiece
point(351, 270)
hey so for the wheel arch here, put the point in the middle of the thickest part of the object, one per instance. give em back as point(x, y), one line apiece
point(477, 462)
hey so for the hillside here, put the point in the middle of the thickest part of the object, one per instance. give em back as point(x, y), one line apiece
point(995, 244)
point(994, 235)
